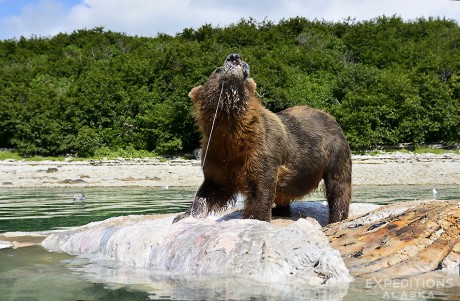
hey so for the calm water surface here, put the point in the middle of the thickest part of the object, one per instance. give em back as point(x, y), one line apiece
point(28, 209)
point(34, 274)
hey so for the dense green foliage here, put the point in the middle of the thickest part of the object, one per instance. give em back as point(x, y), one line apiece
point(385, 80)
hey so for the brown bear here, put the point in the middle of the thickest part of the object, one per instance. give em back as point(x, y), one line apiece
point(271, 159)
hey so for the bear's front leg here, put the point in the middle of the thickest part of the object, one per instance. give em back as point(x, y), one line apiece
point(260, 197)
point(209, 197)
point(199, 208)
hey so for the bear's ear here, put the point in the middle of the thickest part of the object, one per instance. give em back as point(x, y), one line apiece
point(195, 93)
point(251, 86)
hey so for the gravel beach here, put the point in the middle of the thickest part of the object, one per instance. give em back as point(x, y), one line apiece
point(383, 169)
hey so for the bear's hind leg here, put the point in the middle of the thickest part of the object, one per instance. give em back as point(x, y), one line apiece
point(282, 211)
point(338, 195)
point(282, 205)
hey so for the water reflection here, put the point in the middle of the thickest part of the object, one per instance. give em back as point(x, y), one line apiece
point(217, 287)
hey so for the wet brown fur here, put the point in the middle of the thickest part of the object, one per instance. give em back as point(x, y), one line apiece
point(272, 159)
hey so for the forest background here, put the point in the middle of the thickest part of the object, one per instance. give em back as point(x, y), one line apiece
point(386, 81)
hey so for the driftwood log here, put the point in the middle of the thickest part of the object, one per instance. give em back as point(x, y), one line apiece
point(402, 239)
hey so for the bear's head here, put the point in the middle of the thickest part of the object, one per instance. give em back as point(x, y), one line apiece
point(229, 86)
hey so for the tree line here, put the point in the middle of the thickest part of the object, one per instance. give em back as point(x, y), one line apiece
point(385, 80)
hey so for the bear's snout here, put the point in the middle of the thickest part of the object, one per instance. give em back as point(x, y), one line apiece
point(234, 62)
point(233, 59)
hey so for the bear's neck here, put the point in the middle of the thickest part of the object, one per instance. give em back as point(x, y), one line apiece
point(227, 114)
point(226, 102)
point(230, 127)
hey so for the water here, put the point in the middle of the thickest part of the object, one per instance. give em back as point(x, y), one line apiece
point(26, 209)
point(32, 273)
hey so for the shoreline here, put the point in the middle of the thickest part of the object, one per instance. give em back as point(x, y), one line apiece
point(382, 169)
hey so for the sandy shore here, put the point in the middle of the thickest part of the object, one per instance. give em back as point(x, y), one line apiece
point(386, 169)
